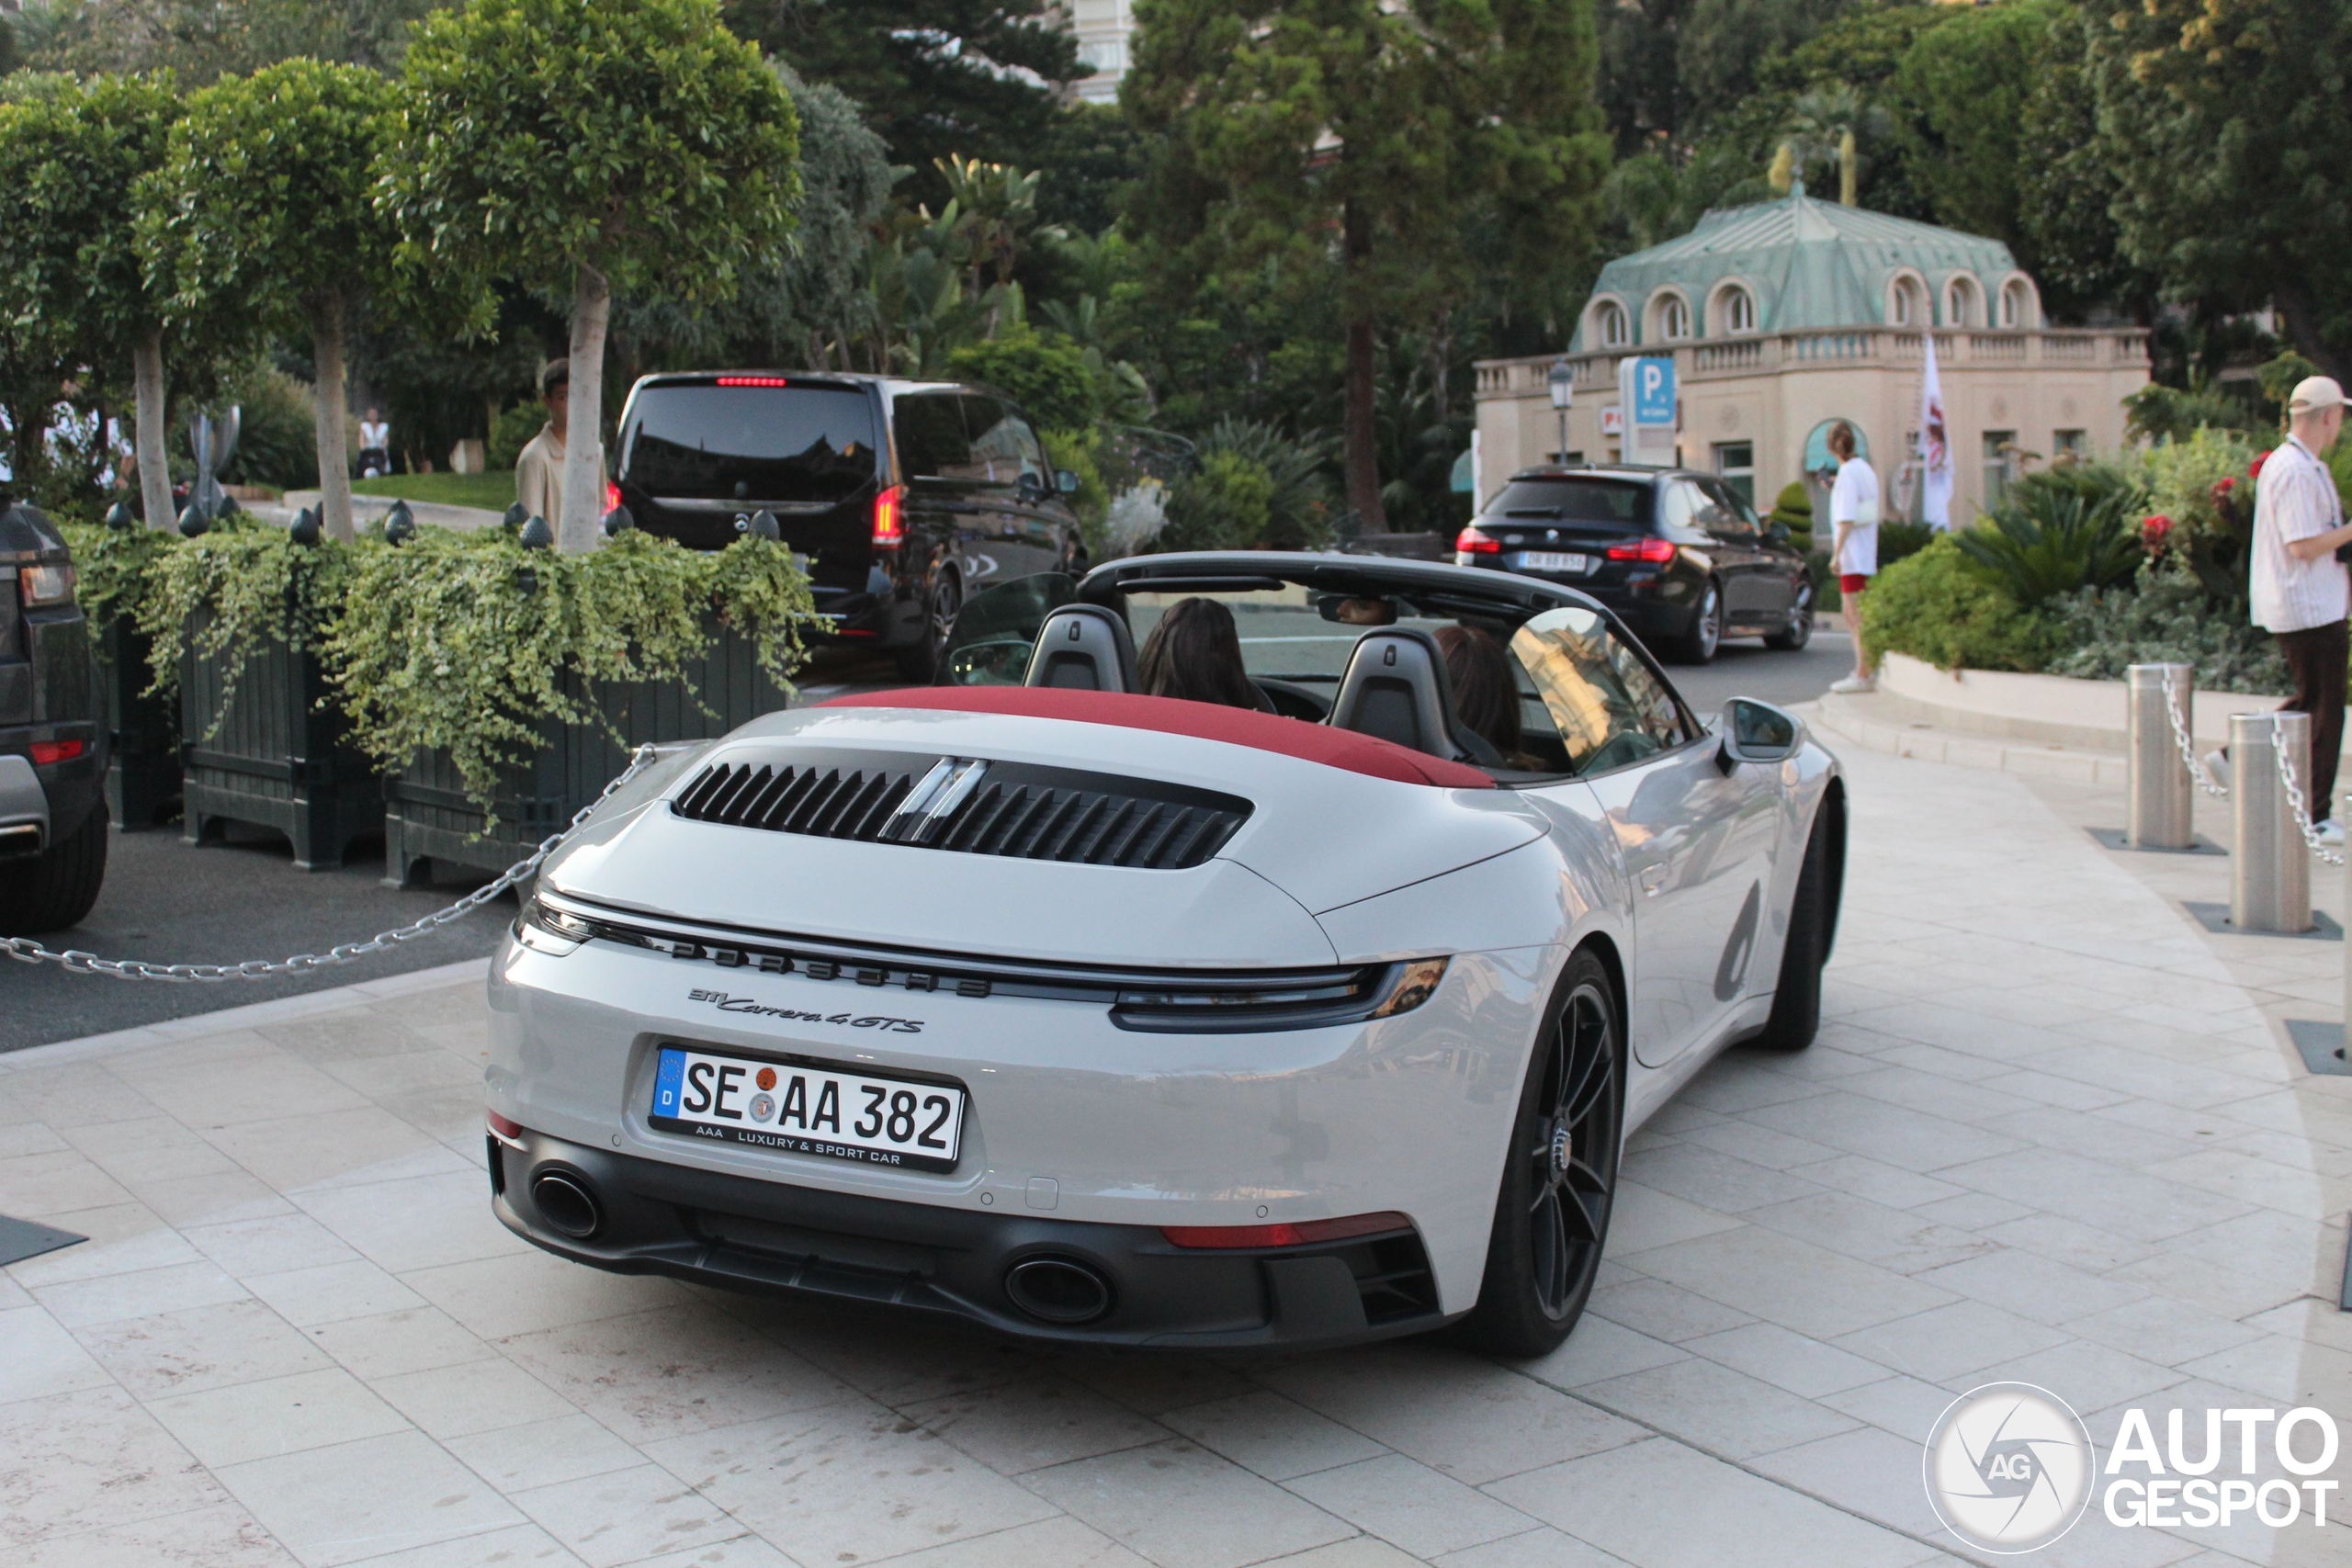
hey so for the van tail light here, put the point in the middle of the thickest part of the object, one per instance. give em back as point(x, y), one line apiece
point(889, 518)
point(1473, 541)
point(1301, 1233)
point(46, 752)
point(611, 496)
point(1656, 551)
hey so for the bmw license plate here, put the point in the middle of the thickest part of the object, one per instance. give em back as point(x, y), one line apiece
point(807, 1110)
point(1551, 560)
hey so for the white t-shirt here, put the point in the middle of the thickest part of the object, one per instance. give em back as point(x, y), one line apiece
point(2295, 499)
point(375, 437)
point(1854, 499)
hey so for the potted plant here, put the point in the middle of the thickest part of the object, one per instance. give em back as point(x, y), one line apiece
point(112, 562)
point(503, 685)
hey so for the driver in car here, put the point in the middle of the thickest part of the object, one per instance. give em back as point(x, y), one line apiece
point(1195, 653)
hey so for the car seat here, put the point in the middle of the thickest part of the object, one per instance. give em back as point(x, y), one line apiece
point(1397, 688)
point(1084, 648)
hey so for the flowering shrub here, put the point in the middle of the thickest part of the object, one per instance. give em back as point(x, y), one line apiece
point(2154, 531)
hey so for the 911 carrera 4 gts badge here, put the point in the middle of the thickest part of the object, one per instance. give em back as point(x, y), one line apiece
point(753, 1006)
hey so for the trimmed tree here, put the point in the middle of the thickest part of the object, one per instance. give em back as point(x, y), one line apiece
point(72, 290)
point(263, 222)
point(589, 147)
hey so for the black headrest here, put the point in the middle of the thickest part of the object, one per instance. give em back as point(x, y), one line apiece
point(1397, 688)
point(1084, 647)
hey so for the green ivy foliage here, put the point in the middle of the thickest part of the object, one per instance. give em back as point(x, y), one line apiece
point(111, 566)
point(243, 585)
point(468, 643)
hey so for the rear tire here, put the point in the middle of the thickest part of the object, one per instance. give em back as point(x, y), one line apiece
point(1796, 1000)
point(1560, 1174)
point(1697, 645)
point(56, 888)
point(920, 662)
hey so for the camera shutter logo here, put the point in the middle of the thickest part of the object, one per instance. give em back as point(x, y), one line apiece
point(2009, 1467)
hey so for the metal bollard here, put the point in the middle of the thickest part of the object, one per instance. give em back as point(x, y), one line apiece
point(2164, 798)
point(2270, 873)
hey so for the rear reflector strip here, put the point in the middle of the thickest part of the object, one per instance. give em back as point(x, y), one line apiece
point(505, 1132)
point(1299, 1232)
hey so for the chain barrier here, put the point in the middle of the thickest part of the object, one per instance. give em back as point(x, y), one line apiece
point(2187, 748)
point(2302, 813)
point(26, 950)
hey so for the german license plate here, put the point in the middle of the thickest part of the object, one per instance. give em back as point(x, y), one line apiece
point(807, 1110)
point(1554, 560)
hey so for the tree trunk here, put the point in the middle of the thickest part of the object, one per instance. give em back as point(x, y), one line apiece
point(147, 441)
point(580, 529)
point(2303, 329)
point(334, 452)
point(1362, 457)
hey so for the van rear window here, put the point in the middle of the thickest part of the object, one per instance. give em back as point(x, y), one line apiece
point(1575, 500)
point(790, 443)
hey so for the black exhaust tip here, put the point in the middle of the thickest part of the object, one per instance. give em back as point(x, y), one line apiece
point(1057, 1290)
point(567, 1203)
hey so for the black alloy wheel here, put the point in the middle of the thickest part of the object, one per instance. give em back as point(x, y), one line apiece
point(1799, 631)
point(1560, 1178)
point(920, 661)
point(1697, 645)
point(52, 890)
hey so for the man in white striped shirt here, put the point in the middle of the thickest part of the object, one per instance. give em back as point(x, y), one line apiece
point(2300, 590)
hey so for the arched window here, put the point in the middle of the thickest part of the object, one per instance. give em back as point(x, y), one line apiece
point(1735, 310)
point(2016, 304)
point(1610, 325)
point(1907, 305)
point(1959, 303)
point(1669, 318)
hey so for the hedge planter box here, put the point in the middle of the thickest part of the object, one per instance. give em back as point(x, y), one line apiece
point(427, 815)
point(274, 759)
point(143, 761)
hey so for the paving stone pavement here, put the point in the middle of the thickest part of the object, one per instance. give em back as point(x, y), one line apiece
point(2050, 1132)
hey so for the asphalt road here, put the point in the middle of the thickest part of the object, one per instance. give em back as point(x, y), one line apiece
point(223, 903)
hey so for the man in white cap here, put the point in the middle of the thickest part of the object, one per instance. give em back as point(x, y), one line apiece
point(2300, 592)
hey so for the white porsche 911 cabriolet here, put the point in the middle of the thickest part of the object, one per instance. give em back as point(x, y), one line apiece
point(1314, 1012)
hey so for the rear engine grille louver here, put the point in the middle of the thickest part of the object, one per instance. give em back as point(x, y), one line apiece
point(1014, 809)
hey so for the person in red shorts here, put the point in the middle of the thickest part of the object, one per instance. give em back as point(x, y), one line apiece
point(1853, 512)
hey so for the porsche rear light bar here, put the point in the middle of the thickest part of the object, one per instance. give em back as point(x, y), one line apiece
point(1296, 1232)
point(1654, 550)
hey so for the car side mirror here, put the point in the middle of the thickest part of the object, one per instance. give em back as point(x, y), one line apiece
point(1066, 481)
point(1756, 732)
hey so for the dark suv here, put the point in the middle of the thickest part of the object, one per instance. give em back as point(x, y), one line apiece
point(53, 751)
point(1680, 556)
point(907, 497)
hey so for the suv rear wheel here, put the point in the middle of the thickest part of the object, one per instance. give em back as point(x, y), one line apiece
point(920, 661)
point(56, 888)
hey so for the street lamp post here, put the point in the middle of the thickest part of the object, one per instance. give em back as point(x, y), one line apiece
point(1563, 382)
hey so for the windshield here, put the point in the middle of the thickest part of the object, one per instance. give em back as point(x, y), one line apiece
point(792, 443)
point(1575, 500)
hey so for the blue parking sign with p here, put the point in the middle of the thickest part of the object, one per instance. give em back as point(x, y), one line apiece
point(1654, 391)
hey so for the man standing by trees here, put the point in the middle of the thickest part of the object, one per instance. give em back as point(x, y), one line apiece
point(538, 472)
point(2300, 590)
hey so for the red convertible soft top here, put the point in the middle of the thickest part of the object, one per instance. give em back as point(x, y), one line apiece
point(1175, 715)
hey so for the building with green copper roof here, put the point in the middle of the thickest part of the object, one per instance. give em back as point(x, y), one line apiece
point(1786, 316)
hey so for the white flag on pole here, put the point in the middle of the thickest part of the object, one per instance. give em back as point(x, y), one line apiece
point(1934, 447)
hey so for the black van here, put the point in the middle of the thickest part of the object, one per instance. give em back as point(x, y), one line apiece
point(907, 497)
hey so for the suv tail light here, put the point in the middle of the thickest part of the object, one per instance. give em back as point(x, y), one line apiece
point(612, 495)
point(1473, 541)
point(38, 587)
point(890, 522)
point(1654, 550)
point(47, 752)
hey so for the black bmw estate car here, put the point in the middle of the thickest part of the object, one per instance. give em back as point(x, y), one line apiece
point(906, 497)
point(1680, 556)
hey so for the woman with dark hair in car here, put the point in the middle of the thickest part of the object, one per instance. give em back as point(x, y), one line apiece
point(1485, 698)
point(1195, 652)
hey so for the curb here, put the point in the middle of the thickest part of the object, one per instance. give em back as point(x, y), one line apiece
point(1845, 717)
